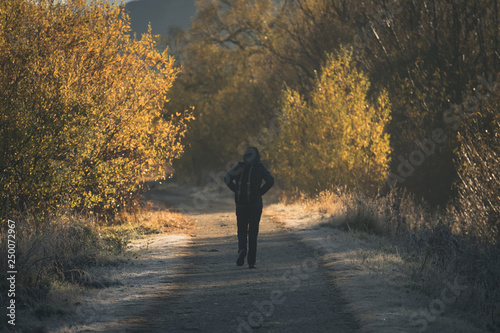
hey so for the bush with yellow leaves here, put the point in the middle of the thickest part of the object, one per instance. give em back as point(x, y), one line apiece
point(82, 107)
point(336, 135)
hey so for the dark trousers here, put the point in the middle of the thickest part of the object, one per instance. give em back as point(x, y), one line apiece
point(248, 219)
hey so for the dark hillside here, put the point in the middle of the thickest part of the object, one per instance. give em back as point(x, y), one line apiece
point(163, 15)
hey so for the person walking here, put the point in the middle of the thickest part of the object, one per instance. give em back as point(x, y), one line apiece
point(245, 180)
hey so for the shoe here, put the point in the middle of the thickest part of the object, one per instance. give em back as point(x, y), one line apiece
point(251, 266)
point(241, 258)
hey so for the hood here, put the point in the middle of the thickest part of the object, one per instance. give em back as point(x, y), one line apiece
point(251, 156)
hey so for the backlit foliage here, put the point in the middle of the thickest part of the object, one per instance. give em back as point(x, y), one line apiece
point(478, 164)
point(81, 107)
point(228, 76)
point(336, 135)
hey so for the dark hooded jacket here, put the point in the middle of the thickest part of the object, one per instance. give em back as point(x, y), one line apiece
point(245, 179)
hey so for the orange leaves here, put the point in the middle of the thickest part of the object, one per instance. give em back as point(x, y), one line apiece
point(84, 91)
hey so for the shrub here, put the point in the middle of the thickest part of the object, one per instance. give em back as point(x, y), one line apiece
point(81, 107)
point(61, 248)
point(335, 136)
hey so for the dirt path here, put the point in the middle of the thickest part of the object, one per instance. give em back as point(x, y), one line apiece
point(305, 273)
point(287, 292)
point(190, 283)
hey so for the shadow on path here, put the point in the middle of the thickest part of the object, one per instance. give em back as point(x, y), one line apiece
point(288, 292)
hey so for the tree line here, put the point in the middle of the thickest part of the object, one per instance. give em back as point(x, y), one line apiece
point(242, 59)
point(366, 95)
point(361, 91)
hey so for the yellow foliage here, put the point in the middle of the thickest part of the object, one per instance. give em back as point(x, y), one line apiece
point(335, 136)
point(82, 106)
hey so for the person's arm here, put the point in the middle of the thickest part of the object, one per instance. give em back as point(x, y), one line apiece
point(230, 177)
point(266, 176)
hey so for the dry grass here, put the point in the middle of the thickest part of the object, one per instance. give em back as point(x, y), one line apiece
point(392, 214)
point(436, 246)
point(154, 219)
point(55, 257)
point(60, 249)
point(146, 221)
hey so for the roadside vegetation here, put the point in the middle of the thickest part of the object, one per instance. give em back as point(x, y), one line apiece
point(435, 246)
point(61, 257)
point(83, 125)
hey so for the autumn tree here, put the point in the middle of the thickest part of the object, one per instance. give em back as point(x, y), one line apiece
point(303, 31)
point(424, 53)
point(237, 57)
point(336, 134)
point(229, 77)
point(81, 107)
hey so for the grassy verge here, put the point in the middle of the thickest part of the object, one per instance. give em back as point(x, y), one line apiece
point(434, 246)
point(57, 259)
